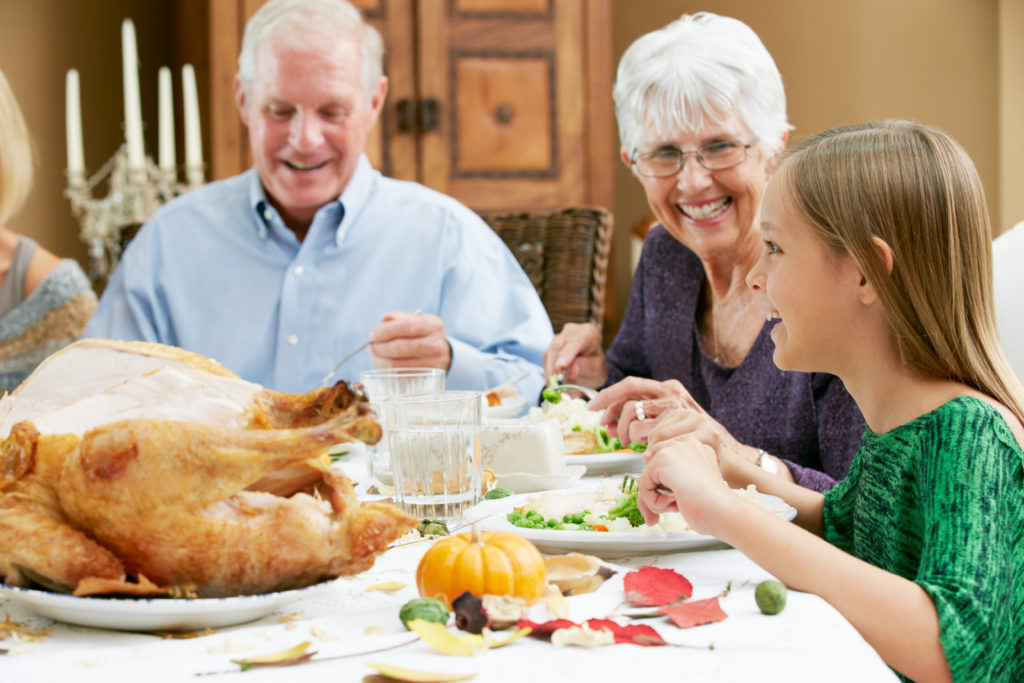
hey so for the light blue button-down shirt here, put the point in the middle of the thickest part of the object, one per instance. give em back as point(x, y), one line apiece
point(217, 272)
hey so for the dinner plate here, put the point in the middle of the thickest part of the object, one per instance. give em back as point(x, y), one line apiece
point(527, 482)
point(607, 543)
point(509, 408)
point(154, 614)
point(608, 463)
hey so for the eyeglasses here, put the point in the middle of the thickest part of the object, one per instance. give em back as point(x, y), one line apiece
point(668, 161)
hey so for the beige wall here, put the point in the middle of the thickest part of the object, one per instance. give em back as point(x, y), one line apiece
point(935, 61)
point(39, 41)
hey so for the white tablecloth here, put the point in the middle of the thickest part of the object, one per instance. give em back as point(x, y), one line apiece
point(808, 641)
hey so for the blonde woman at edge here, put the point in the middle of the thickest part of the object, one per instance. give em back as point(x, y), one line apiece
point(45, 301)
point(877, 268)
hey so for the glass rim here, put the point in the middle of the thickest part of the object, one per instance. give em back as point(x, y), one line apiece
point(446, 396)
point(402, 372)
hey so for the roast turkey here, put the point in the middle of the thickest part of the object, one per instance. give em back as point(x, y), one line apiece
point(124, 460)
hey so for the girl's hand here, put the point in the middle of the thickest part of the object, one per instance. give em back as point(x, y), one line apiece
point(620, 400)
point(698, 424)
point(688, 468)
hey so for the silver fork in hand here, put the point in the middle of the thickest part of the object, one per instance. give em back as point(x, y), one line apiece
point(629, 485)
point(587, 392)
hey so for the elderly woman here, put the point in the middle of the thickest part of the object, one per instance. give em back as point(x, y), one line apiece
point(45, 302)
point(702, 116)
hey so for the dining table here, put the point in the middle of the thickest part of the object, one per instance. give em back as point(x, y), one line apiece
point(352, 623)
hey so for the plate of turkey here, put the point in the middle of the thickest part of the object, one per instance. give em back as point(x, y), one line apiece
point(155, 614)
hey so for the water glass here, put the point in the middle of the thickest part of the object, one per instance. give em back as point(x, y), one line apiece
point(384, 383)
point(435, 452)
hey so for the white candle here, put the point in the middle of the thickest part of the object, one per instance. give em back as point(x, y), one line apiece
point(193, 137)
point(132, 104)
point(167, 160)
point(73, 118)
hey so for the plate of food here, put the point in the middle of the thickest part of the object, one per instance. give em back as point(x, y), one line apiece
point(586, 441)
point(600, 521)
point(623, 460)
point(154, 614)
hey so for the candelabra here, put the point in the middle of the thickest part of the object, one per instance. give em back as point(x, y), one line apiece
point(133, 194)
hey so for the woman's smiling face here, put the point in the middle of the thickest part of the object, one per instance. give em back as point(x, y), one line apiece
point(813, 292)
point(709, 211)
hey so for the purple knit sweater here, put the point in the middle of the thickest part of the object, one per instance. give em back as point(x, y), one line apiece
point(807, 419)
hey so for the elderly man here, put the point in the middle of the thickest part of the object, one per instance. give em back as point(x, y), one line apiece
point(280, 271)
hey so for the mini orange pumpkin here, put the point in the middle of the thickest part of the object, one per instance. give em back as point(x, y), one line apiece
point(492, 563)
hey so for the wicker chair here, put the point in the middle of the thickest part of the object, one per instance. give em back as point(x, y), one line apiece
point(565, 255)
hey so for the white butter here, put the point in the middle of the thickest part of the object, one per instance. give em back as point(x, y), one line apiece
point(527, 446)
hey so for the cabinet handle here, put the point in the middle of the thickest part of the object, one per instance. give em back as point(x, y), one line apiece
point(405, 115)
point(430, 115)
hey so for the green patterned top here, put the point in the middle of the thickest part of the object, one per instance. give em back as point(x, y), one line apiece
point(940, 501)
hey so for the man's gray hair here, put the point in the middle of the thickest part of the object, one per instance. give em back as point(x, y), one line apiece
point(292, 22)
point(700, 68)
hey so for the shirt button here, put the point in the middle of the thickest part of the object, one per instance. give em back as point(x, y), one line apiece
point(298, 270)
point(293, 339)
point(266, 214)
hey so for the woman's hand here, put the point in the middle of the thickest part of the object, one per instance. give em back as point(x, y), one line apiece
point(622, 417)
point(576, 353)
point(688, 467)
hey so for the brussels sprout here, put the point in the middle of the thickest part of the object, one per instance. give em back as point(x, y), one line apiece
point(427, 609)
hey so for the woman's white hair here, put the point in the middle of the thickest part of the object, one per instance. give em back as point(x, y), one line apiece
point(700, 68)
point(291, 22)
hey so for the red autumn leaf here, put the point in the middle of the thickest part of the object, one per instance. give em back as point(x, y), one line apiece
point(654, 586)
point(696, 613)
point(637, 634)
point(544, 628)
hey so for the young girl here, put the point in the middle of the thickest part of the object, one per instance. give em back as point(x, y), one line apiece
point(877, 266)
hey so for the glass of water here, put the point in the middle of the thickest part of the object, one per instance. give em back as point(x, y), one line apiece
point(384, 383)
point(435, 452)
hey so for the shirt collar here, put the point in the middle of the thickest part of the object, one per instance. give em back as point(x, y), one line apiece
point(352, 199)
point(355, 196)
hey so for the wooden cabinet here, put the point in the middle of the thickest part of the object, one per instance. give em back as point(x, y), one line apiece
point(503, 104)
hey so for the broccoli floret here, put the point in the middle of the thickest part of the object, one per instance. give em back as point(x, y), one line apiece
point(626, 507)
point(549, 393)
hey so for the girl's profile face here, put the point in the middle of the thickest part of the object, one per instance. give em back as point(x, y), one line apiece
point(810, 291)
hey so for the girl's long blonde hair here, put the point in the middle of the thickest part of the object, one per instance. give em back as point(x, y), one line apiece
point(15, 154)
point(915, 188)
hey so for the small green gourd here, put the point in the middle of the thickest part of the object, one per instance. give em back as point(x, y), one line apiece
point(498, 493)
point(427, 609)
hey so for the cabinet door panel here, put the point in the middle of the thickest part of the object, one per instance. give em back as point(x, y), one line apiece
point(513, 82)
point(534, 6)
point(516, 135)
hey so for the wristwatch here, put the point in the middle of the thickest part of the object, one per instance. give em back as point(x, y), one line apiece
point(767, 462)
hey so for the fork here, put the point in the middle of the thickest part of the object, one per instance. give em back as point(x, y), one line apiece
point(629, 485)
point(587, 392)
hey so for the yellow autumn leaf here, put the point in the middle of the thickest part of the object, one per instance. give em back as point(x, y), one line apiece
point(440, 638)
point(290, 656)
point(417, 676)
point(556, 602)
point(487, 641)
point(323, 635)
point(386, 586)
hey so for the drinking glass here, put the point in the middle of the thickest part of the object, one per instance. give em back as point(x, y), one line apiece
point(435, 452)
point(384, 383)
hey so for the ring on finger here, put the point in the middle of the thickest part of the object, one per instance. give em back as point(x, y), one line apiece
point(638, 408)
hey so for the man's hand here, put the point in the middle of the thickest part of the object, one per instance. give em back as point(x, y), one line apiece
point(405, 340)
